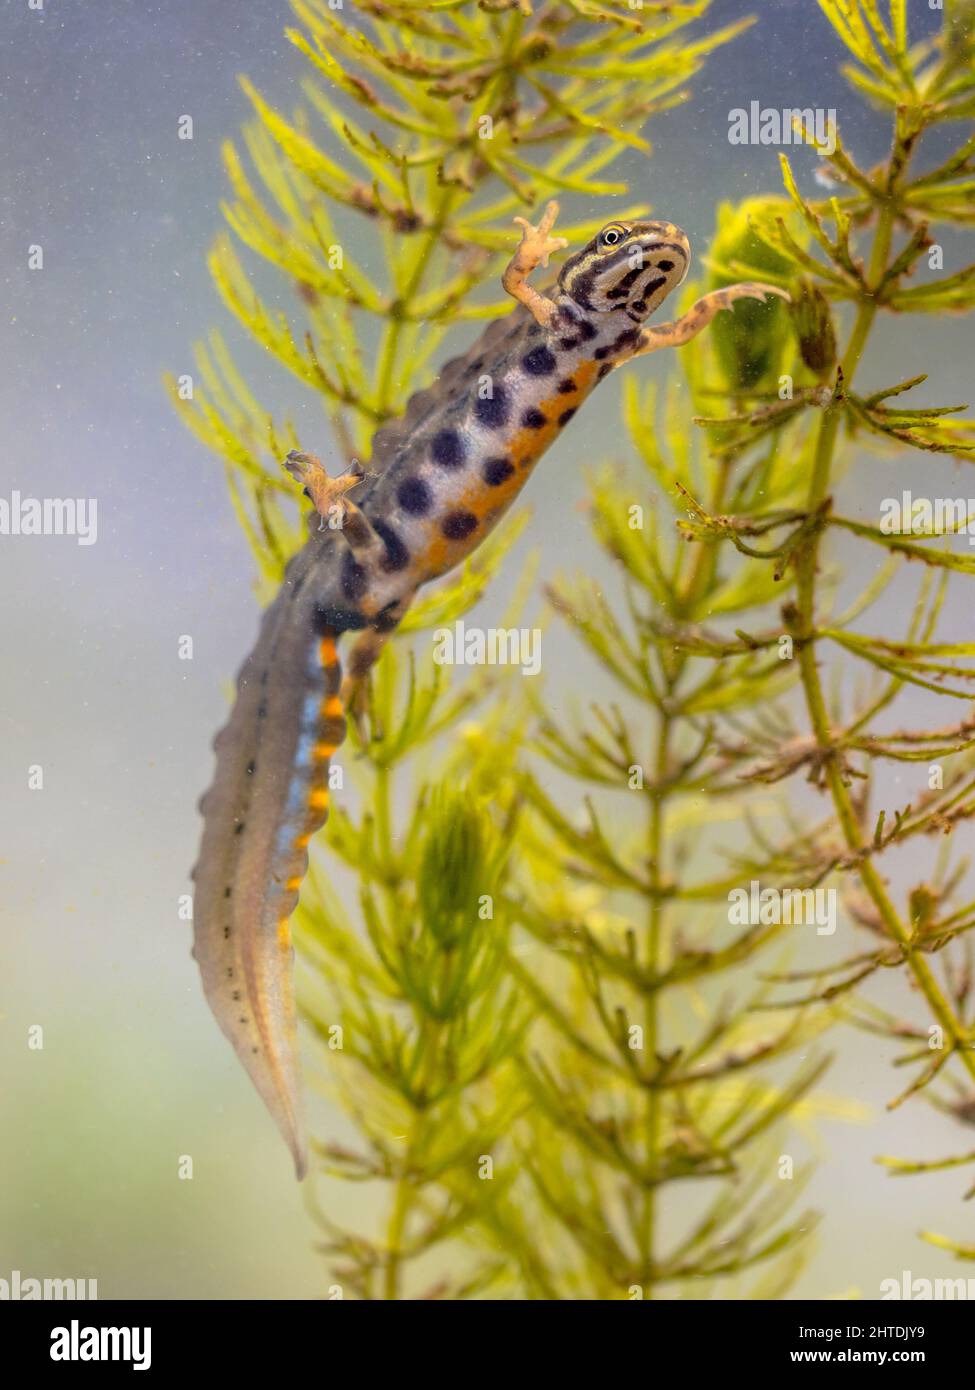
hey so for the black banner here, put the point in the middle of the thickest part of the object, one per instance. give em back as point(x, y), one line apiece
point(168, 1339)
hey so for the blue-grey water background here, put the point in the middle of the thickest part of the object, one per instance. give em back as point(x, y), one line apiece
point(134, 1072)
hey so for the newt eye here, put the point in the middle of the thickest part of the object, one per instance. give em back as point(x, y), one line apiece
point(612, 236)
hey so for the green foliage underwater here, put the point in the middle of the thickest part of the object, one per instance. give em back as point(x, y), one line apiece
point(569, 1073)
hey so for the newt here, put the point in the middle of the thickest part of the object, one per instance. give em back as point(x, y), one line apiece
point(439, 478)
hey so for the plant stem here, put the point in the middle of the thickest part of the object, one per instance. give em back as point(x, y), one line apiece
point(806, 568)
point(382, 810)
point(698, 584)
point(402, 1191)
point(651, 1013)
point(406, 292)
point(395, 1232)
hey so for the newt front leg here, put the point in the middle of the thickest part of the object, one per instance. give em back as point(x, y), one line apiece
point(689, 325)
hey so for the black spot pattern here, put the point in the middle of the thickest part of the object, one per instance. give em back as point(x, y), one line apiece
point(533, 419)
point(329, 618)
point(397, 556)
point(665, 265)
point(566, 416)
point(388, 618)
point(414, 496)
point(354, 578)
point(458, 525)
point(333, 730)
point(539, 362)
point(622, 340)
point(581, 287)
point(496, 471)
point(621, 290)
point(447, 449)
point(567, 386)
point(492, 411)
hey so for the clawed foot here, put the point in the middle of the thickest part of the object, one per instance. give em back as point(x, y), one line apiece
point(533, 250)
point(326, 493)
point(536, 243)
point(749, 289)
point(356, 703)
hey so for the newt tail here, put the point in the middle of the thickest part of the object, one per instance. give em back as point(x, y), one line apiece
point(269, 797)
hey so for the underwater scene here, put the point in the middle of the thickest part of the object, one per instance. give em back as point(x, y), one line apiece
point(486, 537)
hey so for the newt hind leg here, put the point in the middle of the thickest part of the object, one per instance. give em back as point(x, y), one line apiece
point(363, 655)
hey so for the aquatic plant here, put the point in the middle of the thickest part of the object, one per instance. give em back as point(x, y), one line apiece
point(650, 1079)
point(462, 101)
point(864, 245)
point(525, 1032)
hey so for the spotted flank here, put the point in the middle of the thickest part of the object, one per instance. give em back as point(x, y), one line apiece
point(440, 478)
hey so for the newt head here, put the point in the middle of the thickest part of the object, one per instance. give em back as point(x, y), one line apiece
point(628, 268)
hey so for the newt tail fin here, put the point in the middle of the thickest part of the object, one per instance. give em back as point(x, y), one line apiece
point(269, 796)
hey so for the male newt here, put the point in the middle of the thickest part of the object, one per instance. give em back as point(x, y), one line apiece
point(439, 479)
